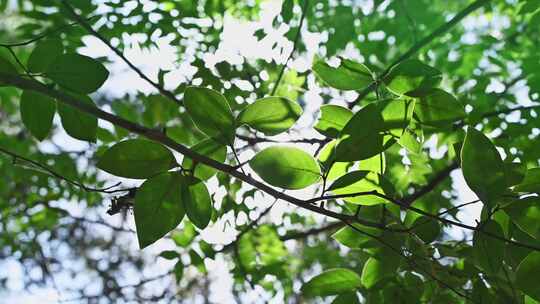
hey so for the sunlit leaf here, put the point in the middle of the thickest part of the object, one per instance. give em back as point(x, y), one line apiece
point(136, 158)
point(286, 167)
point(270, 115)
point(330, 282)
point(333, 119)
point(482, 166)
point(197, 202)
point(211, 113)
point(158, 207)
point(349, 75)
point(410, 76)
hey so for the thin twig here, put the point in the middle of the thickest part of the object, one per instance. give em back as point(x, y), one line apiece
point(295, 44)
point(86, 26)
point(57, 175)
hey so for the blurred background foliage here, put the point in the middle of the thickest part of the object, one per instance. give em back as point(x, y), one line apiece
point(58, 236)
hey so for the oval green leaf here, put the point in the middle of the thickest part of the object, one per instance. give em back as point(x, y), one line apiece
point(78, 124)
point(351, 183)
point(374, 271)
point(331, 282)
point(333, 119)
point(271, 115)
point(158, 207)
point(361, 137)
point(482, 166)
point(437, 107)
point(349, 75)
point(37, 113)
point(197, 202)
point(211, 113)
point(286, 167)
point(43, 55)
point(136, 158)
point(410, 76)
point(78, 73)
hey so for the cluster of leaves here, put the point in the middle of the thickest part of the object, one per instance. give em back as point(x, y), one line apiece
point(373, 172)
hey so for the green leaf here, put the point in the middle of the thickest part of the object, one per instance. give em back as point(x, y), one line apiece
point(287, 10)
point(7, 68)
point(514, 173)
point(197, 202)
point(396, 114)
point(78, 124)
point(333, 119)
point(37, 113)
point(408, 141)
point(184, 237)
point(527, 275)
point(374, 271)
point(489, 251)
point(371, 182)
point(44, 54)
point(328, 162)
point(286, 167)
point(169, 254)
point(209, 148)
point(211, 113)
point(351, 238)
point(525, 213)
point(158, 207)
point(348, 179)
point(360, 138)
point(410, 76)
point(531, 182)
point(136, 158)
point(349, 75)
point(331, 282)
point(482, 166)
point(346, 298)
point(78, 73)
point(426, 229)
point(270, 115)
point(437, 107)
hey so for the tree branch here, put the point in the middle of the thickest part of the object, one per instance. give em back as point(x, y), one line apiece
point(57, 175)
point(86, 26)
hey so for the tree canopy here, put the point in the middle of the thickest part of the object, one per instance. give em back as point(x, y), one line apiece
point(291, 151)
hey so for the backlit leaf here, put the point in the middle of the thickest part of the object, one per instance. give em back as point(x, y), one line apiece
point(330, 282)
point(286, 167)
point(136, 158)
point(270, 115)
point(349, 75)
point(482, 166)
point(211, 113)
point(333, 119)
point(158, 207)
